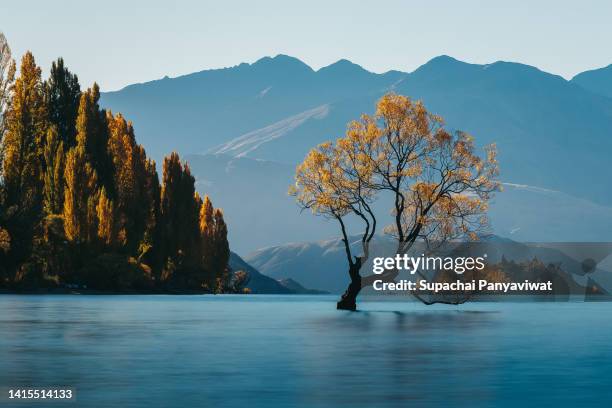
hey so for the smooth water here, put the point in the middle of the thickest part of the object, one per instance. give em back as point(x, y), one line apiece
point(298, 351)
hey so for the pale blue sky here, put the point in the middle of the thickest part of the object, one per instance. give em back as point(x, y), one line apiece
point(121, 42)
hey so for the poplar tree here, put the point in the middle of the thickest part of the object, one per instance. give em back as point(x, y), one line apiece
point(207, 231)
point(105, 221)
point(80, 187)
point(26, 122)
point(136, 185)
point(213, 242)
point(53, 189)
point(92, 135)
point(220, 244)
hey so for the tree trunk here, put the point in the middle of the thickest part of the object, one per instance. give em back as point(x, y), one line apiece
point(348, 301)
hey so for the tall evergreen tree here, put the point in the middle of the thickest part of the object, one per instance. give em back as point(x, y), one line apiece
point(180, 208)
point(63, 94)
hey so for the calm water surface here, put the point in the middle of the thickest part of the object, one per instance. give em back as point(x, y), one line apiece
point(298, 351)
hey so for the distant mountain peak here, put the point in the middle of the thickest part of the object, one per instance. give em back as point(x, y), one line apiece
point(342, 67)
point(598, 81)
point(607, 68)
point(444, 63)
point(283, 61)
point(444, 59)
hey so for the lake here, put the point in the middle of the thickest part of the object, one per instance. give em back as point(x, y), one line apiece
point(298, 351)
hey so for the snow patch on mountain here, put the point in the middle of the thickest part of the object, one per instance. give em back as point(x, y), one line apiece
point(243, 145)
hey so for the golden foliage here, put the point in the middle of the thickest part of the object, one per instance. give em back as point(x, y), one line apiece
point(106, 222)
point(439, 184)
point(26, 129)
point(5, 240)
point(80, 186)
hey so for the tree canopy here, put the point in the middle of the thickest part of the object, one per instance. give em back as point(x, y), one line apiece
point(439, 186)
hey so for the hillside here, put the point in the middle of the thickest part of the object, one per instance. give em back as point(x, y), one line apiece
point(598, 81)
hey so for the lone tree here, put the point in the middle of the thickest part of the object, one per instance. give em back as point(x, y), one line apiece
point(439, 186)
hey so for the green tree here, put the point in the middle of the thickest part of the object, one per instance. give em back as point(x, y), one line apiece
point(180, 208)
point(63, 94)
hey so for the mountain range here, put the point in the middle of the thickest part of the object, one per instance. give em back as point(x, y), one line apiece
point(598, 81)
point(243, 129)
point(322, 264)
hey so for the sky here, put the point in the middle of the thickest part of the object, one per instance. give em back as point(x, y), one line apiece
point(119, 42)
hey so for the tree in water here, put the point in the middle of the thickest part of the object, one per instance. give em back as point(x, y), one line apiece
point(437, 183)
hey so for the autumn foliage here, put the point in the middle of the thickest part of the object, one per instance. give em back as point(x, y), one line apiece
point(81, 204)
point(438, 184)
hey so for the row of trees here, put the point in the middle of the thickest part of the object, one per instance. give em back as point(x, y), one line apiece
point(80, 202)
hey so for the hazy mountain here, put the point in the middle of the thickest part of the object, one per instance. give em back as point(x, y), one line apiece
point(317, 264)
point(258, 283)
point(322, 264)
point(598, 81)
point(255, 122)
point(298, 289)
point(195, 112)
point(256, 206)
point(260, 213)
point(261, 284)
point(550, 132)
